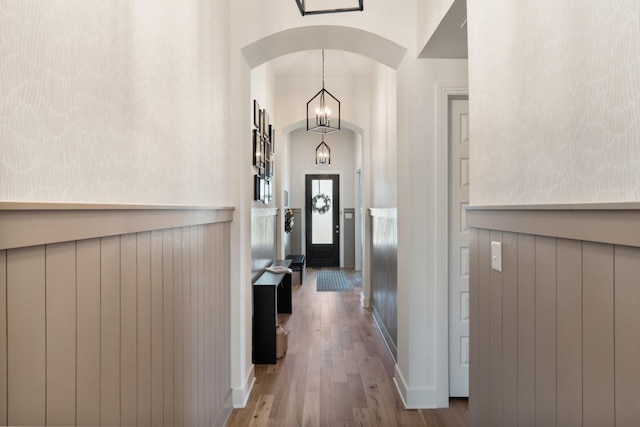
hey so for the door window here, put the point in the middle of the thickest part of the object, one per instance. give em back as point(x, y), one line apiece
point(322, 212)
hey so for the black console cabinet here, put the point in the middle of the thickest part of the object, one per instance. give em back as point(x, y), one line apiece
point(271, 295)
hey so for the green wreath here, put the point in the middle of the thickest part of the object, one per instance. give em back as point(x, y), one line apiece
point(321, 203)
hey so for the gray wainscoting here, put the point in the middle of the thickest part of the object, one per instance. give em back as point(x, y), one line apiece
point(123, 329)
point(554, 336)
point(263, 240)
point(384, 273)
point(349, 238)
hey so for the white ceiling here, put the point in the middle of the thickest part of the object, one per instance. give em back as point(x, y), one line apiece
point(309, 63)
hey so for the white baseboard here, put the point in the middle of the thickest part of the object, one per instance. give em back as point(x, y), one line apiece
point(226, 413)
point(364, 300)
point(415, 398)
point(241, 395)
point(386, 336)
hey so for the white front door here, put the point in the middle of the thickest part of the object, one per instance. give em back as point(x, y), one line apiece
point(458, 248)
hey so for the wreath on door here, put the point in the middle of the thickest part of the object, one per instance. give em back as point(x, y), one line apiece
point(321, 203)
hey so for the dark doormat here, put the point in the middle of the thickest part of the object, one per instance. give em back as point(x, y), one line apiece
point(332, 281)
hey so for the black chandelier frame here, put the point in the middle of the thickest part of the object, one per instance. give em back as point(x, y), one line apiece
point(304, 12)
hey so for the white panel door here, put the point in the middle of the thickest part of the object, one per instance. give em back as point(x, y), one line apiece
point(458, 248)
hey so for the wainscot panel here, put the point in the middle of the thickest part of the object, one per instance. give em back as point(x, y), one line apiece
point(384, 273)
point(554, 336)
point(106, 319)
point(263, 240)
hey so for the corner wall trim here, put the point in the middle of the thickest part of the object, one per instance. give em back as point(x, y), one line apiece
point(364, 300)
point(241, 395)
point(391, 346)
point(46, 224)
point(414, 398)
point(617, 225)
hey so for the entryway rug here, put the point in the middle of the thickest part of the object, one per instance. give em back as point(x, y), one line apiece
point(332, 281)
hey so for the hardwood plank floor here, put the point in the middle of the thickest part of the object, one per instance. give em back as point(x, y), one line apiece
point(337, 370)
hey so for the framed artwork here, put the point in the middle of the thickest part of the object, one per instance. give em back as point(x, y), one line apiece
point(263, 141)
point(257, 185)
point(267, 191)
point(256, 114)
point(265, 124)
point(258, 149)
point(272, 138)
point(267, 149)
point(261, 121)
point(268, 173)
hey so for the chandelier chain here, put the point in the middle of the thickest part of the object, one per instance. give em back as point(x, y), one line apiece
point(322, 68)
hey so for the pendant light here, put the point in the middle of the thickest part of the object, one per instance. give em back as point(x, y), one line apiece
point(312, 7)
point(323, 154)
point(323, 110)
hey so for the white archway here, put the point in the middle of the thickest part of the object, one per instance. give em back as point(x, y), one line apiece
point(335, 37)
point(303, 123)
point(418, 387)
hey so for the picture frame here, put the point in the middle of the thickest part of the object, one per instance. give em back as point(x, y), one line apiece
point(258, 149)
point(257, 188)
point(267, 149)
point(261, 122)
point(256, 114)
point(272, 138)
point(265, 124)
point(268, 173)
point(267, 191)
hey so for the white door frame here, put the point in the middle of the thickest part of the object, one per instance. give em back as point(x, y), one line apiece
point(444, 91)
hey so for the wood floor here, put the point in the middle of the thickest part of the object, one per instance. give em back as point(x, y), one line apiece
point(337, 370)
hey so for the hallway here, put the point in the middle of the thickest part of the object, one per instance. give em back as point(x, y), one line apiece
point(337, 371)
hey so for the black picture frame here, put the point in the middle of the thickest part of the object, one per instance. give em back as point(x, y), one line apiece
point(272, 138)
point(256, 113)
point(267, 191)
point(258, 149)
point(265, 124)
point(257, 188)
point(268, 173)
point(267, 149)
point(261, 122)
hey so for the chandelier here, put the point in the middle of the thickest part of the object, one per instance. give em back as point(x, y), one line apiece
point(320, 109)
point(315, 7)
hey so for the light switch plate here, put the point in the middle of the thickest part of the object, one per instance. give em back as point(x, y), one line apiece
point(496, 256)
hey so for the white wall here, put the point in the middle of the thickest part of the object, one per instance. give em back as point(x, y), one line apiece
point(382, 138)
point(554, 101)
point(114, 102)
point(420, 345)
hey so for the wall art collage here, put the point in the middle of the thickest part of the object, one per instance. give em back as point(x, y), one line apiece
point(263, 154)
